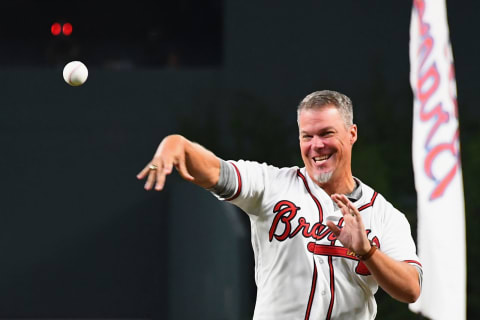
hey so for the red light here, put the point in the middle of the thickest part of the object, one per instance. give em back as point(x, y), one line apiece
point(56, 28)
point(67, 29)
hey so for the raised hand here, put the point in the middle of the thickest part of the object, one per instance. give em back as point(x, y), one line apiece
point(352, 235)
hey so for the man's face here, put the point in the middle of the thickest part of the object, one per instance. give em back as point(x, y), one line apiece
point(326, 145)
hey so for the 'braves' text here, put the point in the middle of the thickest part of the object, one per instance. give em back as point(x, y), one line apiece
point(286, 212)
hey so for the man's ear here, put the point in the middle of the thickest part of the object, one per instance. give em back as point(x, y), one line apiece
point(353, 133)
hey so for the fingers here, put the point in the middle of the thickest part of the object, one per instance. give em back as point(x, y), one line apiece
point(170, 153)
point(345, 205)
point(338, 198)
point(142, 174)
point(182, 169)
point(155, 174)
point(150, 179)
point(334, 228)
point(353, 210)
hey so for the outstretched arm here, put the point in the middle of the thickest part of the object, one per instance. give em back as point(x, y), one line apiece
point(399, 279)
point(193, 162)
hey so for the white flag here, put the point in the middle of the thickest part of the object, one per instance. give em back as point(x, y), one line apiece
point(437, 166)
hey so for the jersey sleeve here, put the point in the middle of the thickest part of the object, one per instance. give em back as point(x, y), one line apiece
point(397, 241)
point(252, 181)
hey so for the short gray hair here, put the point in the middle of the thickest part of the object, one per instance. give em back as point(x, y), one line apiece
point(319, 99)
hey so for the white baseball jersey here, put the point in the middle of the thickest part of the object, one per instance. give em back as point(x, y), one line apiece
point(301, 270)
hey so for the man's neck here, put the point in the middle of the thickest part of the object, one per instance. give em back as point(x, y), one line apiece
point(343, 186)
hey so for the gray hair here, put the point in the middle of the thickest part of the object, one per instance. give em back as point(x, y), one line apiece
point(319, 99)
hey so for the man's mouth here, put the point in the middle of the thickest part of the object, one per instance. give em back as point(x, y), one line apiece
point(321, 158)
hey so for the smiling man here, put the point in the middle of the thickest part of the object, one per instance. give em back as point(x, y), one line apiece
point(327, 134)
point(323, 241)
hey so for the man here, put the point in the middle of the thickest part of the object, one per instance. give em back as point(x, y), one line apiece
point(314, 258)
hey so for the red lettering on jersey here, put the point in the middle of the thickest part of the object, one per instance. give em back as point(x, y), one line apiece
point(335, 251)
point(285, 212)
point(332, 237)
point(304, 226)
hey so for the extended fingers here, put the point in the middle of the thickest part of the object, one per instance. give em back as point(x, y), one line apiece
point(340, 202)
point(334, 228)
point(340, 199)
point(142, 174)
point(182, 169)
point(155, 173)
point(150, 179)
point(344, 204)
point(352, 208)
point(161, 175)
point(157, 170)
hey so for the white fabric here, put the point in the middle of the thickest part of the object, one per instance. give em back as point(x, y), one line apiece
point(278, 202)
point(436, 162)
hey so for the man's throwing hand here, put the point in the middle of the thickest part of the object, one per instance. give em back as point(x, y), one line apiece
point(169, 153)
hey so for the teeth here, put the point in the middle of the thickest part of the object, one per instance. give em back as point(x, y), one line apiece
point(325, 157)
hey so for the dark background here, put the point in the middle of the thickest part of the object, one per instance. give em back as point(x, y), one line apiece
point(80, 238)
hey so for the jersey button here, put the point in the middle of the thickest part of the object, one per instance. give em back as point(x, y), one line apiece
point(320, 261)
point(324, 292)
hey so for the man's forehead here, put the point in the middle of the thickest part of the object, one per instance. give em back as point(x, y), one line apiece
point(313, 107)
point(323, 111)
point(309, 128)
point(318, 115)
point(317, 120)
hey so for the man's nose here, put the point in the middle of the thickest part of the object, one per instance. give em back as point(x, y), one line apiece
point(317, 142)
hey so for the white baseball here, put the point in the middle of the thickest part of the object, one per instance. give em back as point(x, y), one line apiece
point(75, 73)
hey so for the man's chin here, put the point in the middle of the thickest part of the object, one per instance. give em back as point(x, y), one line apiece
point(324, 177)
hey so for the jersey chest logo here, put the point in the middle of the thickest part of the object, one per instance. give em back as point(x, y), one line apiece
point(285, 213)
